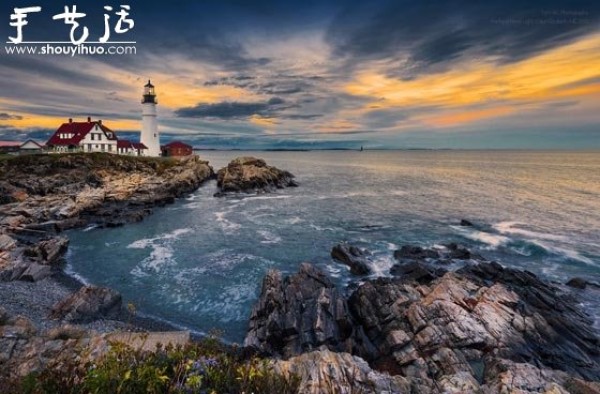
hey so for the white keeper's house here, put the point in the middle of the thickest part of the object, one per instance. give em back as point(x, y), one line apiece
point(93, 136)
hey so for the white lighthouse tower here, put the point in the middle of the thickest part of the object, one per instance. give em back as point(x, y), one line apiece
point(150, 136)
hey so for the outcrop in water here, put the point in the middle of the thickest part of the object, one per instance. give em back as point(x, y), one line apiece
point(482, 329)
point(251, 175)
point(353, 257)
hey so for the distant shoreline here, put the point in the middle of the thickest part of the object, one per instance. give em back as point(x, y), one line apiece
point(399, 150)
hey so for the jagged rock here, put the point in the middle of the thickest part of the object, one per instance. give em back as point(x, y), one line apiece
point(482, 329)
point(324, 372)
point(87, 304)
point(49, 251)
point(466, 223)
point(251, 175)
point(299, 313)
point(353, 257)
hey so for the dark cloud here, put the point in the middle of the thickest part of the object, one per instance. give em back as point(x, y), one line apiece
point(233, 109)
point(5, 116)
point(417, 37)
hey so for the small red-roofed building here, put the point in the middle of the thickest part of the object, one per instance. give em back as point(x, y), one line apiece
point(176, 148)
point(125, 147)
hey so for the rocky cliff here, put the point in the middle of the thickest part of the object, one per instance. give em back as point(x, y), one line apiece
point(481, 329)
point(40, 196)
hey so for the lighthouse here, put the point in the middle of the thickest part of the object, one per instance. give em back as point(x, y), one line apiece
point(150, 136)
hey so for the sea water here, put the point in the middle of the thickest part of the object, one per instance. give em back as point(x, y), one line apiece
point(199, 263)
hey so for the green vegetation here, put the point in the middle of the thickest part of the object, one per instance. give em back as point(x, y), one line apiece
point(50, 163)
point(205, 367)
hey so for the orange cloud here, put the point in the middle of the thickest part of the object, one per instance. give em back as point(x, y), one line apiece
point(475, 82)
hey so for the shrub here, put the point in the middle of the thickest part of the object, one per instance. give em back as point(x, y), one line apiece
point(204, 367)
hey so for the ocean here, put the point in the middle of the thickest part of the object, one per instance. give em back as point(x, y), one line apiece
point(199, 263)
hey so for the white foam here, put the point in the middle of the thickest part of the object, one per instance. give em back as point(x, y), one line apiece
point(227, 225)
point(381, 265)
point(269, 237)
point(511, 228)
point(161, 254)
point(569, 253)
point(89, 228)
point(294, 220)
point(493, 240)
point(146, 242)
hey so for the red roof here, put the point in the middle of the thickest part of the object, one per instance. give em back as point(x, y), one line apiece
point(177, 144)
point(130, 145)
point(124, 144)
point(139, 145)
point(79, 131)
point(10, 143)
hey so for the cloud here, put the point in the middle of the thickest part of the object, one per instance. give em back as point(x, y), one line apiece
point(233, 110)
point(415, 37)
point(5, 116)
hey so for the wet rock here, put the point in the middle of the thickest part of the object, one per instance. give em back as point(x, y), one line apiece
point(87, 304)
point(251, 175)
point(416, 271)
point(578, 283)
point(460, 252)
point(413, 252)
point(466, 223)
point(353, 257)
point(482, 329)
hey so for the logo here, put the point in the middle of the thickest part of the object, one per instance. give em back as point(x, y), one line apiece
point(82, 41)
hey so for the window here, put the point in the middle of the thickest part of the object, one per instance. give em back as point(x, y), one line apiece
point(110, 148)
point(89, 147)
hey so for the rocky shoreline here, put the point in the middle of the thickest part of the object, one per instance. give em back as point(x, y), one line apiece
point(44, 195)
point(481, 328)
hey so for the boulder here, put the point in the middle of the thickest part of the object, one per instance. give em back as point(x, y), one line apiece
point(320, 371)
point(87, 304)
point(466, 223)
point(299, 313)
point(251, 175)
point(34, 272)
point(49, 251)
point(353, 257)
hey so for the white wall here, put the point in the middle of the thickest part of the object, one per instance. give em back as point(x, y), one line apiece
point(96, 141)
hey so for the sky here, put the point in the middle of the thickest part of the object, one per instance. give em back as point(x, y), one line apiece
point(236, 74)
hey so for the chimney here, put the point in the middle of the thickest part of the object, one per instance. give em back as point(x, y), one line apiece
point(99, 121)
point(70, 120)
point(89, 119)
